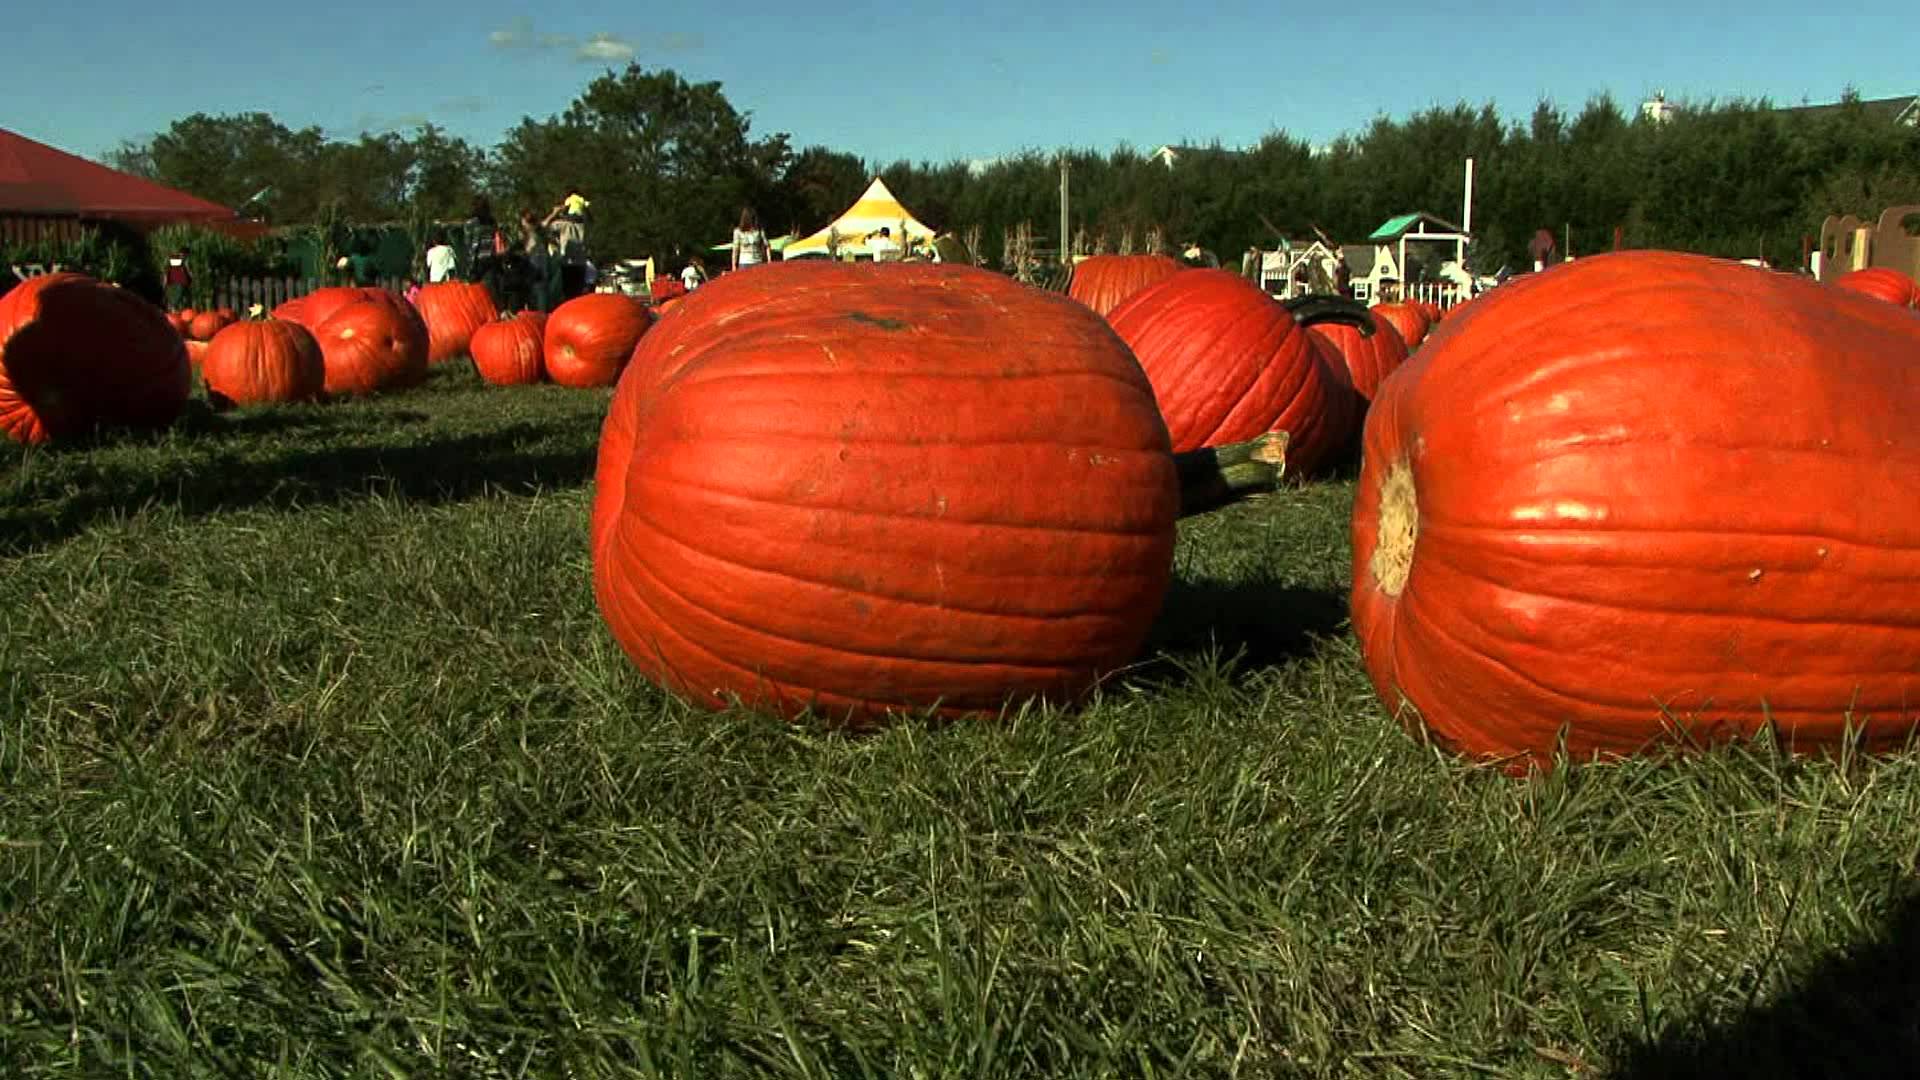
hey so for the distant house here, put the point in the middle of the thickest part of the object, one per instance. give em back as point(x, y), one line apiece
point(1903, 110)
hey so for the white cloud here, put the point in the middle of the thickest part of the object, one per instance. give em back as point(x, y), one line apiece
point(604, 46)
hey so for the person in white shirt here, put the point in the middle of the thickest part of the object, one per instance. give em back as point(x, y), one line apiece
point(440, 260)
point(749, 242)
point(694, 274)
point(882, 245)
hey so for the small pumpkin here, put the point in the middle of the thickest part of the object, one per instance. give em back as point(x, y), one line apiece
point(453, 310)
point(1102, 282)
point(1407, 320)
point(263, 362)
point(208, 323)
point(1228, 363)
point(372, 345)
point(590, 338)
point(1561, 533)
point(1882, 283)
point(76, 353)
point(507, 352)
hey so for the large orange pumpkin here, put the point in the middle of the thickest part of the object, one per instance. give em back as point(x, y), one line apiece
point(372, 345)
point(1697, 517)
point(590, 338)
point(1228, 363)
point(76, 353)
point(506, 352)
point(916, 486)
point(1882, 283)
point(263, 362)
point(453, 310)
point(1408, 320)
point(1102, 281)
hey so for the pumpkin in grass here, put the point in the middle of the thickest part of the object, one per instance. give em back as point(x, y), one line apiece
point(1619, 529)
point(76, 353)
point(590, 338)
point(1102, 282)
point(1882, 283)
point(865, 488)
point(372, 345)
point(1407, 320)
point(453, 310)
point(263, 362)
point(507, 352)
point(1431, 310)
point(208, 323)
point(1228, 362)
point(1366, 358)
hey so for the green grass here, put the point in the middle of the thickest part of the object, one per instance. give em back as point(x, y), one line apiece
point(316, 761)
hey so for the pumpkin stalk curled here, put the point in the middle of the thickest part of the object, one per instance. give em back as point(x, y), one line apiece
point(1217, 476)
point(1315, 308)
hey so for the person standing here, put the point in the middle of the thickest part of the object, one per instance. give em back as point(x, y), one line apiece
point(179, 280)
point(440, 259)
point(749, 241)
point(570, 246)
point(535, 248)
point(694, 274)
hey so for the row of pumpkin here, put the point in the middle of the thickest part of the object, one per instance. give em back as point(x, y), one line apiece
point(1641, 496)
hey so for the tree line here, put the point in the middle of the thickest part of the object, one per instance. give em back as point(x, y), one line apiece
point(669, 163)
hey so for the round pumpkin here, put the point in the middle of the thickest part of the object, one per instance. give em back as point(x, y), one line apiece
point(1228, 363)
point(453, 310)
point(206, 324)
point(1366, 358)
point(862, 488)
point(590, 338)
point(372, 345)
point(1102, 281)
point(180, 323)
point(263, 362)
point(1431, 310)
point(1882, 283)
point(1407, 320)
point(76, 354)
point(196, 352)
point(506, 352)
point(1570, 524)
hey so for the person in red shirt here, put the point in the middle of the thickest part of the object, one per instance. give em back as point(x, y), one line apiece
point(179, 280)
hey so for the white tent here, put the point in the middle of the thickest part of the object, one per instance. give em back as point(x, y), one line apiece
point(873, 210)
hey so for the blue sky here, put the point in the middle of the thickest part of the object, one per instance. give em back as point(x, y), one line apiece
point(920, 81)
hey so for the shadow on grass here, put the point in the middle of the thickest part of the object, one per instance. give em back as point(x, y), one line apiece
point(402, 458)
point(1856, 1015)
point(1262, 622)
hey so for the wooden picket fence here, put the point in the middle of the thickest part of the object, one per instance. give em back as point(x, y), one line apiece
point(242, 293)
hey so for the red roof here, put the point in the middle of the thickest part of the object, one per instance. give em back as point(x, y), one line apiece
point(37, 179)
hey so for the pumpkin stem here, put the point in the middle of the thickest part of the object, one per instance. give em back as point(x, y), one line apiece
point(1217, 476)
point(1325, 307)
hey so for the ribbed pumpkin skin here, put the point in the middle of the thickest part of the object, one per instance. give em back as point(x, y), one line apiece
point(506, 352)
point(1367, 358)
point(1882, 283)
point(75, 353)
point(372, 345)
point(1102, 282)
point(1228, 364)
point(1411, 323)
point(866, 488)
point(1707, 506)
point(590, 338)
point(453, 310)
point(266, 362)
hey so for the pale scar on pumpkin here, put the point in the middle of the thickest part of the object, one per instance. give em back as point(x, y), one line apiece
point(1399, 529)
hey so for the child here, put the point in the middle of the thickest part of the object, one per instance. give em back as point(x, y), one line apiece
point(413, 291)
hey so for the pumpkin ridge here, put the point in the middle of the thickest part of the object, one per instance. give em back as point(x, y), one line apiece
point(1433, 524)
point(1193, 374)
point(896, 651)
point(1080, 530)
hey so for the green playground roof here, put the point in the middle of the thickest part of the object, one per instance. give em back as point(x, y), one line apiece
point(1405, 222)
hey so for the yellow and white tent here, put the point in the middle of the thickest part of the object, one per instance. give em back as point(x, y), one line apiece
point(876, 208)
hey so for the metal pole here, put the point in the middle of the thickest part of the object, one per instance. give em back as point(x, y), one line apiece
point(1466, 210)
point(1066, 252)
